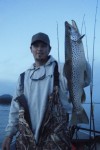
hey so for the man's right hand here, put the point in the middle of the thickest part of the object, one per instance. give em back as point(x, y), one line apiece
point(6, 143)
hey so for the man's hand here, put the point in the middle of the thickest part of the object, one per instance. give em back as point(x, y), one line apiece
point(6, 143)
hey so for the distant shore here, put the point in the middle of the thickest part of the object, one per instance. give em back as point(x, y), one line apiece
point(5, 99)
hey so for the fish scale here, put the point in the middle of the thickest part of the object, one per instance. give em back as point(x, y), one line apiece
point(74, 68)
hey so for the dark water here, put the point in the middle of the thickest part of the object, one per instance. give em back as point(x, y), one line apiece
point(96, 112)
point(4, 111)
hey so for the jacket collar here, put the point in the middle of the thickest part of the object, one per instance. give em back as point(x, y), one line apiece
point(50, 60)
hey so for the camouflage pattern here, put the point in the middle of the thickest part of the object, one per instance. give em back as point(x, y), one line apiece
point(24, 138)
point(54, 132)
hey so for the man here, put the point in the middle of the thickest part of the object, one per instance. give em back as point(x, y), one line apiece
point(38, 85)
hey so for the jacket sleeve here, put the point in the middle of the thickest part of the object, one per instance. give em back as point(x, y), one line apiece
point(12, 126)
point(87, 75)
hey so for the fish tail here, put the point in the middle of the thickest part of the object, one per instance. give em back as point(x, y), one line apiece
point(80, 117)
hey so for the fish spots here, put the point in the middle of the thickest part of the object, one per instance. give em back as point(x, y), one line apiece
point(74, 52)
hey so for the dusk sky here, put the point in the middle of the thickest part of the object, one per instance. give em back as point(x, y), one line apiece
point(20, 19)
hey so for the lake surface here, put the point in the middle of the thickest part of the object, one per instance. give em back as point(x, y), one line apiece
point(4, 111)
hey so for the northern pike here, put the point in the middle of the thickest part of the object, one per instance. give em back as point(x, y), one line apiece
point(75, 70)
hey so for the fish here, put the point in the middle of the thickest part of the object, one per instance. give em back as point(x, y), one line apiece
point(74, 71)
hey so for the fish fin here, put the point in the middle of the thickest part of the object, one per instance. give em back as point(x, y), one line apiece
point(80, 38)
point(83, 97)
point(80, 117)
point(66, 69)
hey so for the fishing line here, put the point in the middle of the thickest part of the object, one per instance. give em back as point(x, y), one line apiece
point(82, 24)
point(58, 43)
point(91, 85)
point(86, 40)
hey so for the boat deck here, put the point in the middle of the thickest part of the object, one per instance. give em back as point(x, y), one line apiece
point(83, 141)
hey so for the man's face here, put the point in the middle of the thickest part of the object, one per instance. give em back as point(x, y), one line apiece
point(40, 51)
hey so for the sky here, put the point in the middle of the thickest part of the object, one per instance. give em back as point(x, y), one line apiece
point(20, 19)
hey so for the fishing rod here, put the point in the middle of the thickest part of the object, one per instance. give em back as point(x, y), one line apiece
point(91, 103)
point(93, 140)
point(58, 43)
point(86, 39)
point(83, 23)
point(85, 129)
point(91, 85)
